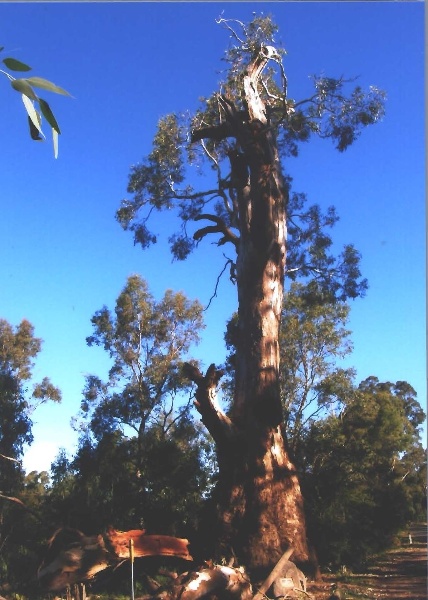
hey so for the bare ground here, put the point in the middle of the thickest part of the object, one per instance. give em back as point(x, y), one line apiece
point(399, 574)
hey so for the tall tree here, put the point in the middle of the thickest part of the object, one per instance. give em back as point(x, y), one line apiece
point(138, 423)
point(18, 349)
point(242, 133)
point(147, 341)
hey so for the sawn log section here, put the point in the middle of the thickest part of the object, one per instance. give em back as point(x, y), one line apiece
point(146, 545)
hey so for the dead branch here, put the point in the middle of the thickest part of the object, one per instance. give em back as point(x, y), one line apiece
point(21, 504)
point(72, 557)
point(10, 458)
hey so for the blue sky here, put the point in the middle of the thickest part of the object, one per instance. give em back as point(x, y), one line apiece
point(127, 64)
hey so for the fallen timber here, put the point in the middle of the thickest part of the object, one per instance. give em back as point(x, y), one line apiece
point(74, 558)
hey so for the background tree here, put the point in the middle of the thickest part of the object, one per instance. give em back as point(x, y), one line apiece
point(313, 339)
point(141, 452)
point(18, 350)
point(242, 133)
point(364, 471)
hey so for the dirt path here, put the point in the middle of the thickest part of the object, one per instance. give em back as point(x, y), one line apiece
point(400, 574)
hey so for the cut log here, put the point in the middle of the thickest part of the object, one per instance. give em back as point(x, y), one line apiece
point(72, 557)
point(146, 545)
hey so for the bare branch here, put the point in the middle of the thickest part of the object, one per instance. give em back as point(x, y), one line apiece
point(21, 504)
point(216, 421)
point(225, 22)
point(10, 458)
point(230, 262)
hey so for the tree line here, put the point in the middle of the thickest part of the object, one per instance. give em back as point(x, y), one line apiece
point(144, 461)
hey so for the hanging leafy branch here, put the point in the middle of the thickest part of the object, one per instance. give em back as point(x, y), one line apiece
point(35, 106)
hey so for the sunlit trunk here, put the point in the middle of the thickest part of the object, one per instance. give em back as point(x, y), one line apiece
point(259, 506)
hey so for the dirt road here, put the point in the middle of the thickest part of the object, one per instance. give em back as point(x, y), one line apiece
point(401, 574)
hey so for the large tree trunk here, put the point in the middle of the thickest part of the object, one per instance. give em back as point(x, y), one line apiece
point(259, 502)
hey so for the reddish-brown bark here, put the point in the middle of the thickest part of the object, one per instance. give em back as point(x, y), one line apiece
point(258, 498)
point(73, 557)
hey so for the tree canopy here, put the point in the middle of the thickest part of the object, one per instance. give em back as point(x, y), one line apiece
point(138, 436)
point(147, 341)
point(362, 483)
point(184, 144)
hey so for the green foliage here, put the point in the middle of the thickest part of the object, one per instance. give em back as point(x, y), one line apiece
point(147, 341)
point(364, 472)
point(141, 460)
point(25, 86)
point(313, 338)
point(18, 349)
point(161, 181)
point(309, 256)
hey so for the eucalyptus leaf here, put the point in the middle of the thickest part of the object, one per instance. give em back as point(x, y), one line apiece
point(22, 85)
point(48, 114)
point(15, 65)
point(44, 84)
point(55, 142)
point(34, 132)
point(33, 114)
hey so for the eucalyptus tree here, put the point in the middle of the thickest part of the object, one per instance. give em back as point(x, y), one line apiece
point(365, 472)
point(19, 348)
point(148, 341)
point(313, 339)
point(243, 134)
point(139, 434)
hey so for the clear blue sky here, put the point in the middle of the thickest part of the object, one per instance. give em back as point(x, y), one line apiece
point(126, 64)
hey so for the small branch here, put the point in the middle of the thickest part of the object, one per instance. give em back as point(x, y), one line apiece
point(225, 22)
point(21, 504)
point(230, 262)
point(10, 458)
